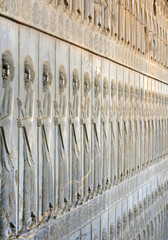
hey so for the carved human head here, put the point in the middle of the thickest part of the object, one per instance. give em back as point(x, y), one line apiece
point(8, 69)
point(142, 94)
point(113, 88)
point(149, 96)
point(131, 92)
point(87, 84)
point(153, 97)
point(146, 95)
point(156, 97)
point(97, 86)
point(112, 230)
point(47, 76)
point(120, 90)
point(75, 82)
point(29, 73)
point(136, 93)
point(126, 91)
point(105, 88)
point(118, 225)
point(160, 98)
point(62, 79)
point(130, 215)
point(104, 234)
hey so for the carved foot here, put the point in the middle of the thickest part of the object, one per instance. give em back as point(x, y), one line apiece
point(107, 184)
point(79, 200)
point(99, 190)
point(31, 222)
point(90, 195)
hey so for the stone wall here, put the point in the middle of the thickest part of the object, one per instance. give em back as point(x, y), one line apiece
point(83, 120)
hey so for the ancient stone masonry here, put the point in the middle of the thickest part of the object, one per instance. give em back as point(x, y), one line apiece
point(83, 119)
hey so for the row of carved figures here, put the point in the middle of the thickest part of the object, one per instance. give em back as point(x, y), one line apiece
point(128, 21)
point(142, 222)
point(99, 144)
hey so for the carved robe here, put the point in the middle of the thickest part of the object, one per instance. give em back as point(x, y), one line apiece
point(131, 138)
point(28, 174)
point(142, 134)
point(137, 140)
point(86, 147)
point(97, 14)
point(126, 138)
point(6, 140)
point(97, 169)
point(76, 174)
point(120, 139)
point(105, 143)
point(46, 152)
point(113, 170)
point(146, 135)
point(114, 18)
point(62, 151)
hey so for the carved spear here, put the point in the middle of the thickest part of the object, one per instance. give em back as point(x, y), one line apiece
point(31, 162)
point(43, 130)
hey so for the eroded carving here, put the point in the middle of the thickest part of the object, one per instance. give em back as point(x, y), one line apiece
point(26, 124)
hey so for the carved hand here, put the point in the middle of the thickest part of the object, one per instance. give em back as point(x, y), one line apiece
point(39, 122)
point(56, 120)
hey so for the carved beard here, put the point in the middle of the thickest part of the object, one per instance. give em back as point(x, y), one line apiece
point(45, 86)
point(6, 82)
point(27, 84)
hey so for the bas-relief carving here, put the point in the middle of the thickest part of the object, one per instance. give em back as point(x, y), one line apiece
point(112, 114)
point(60, 121)
point(126, 130)
point(75, 129)
point(120, 131)
point(6, 156)
point(44, 123)
point(104, 122)
point(96, 108)
point(25, 122)
point(142, 163)
point(131, 130)
point(85, 120)
point(137, 139)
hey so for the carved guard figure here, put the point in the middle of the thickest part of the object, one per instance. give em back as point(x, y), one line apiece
point(104, 121)
point(44, 122)
point(60, 122)
point(85, 120)
point(26, 124)
point(95, 123)
point(113, 170)
point(6, 114)
point(74, 122)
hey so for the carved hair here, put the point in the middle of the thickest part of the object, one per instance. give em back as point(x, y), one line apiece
point(126, 90)
point(87, 81)
point(113, 85)
point(7, 58)
point(105, 85)
point(63, 74)
point(76, 76)
point(137, 92)
point(112, 230)
point(104, 234)
point(97, 83)
point(120, 88)
point(47, 68)
point(28, 63)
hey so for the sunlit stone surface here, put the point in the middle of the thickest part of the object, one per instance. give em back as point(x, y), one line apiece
point(84, 119)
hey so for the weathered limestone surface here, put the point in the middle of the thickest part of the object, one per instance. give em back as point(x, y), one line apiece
point(83, 119)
